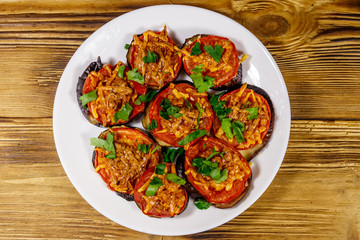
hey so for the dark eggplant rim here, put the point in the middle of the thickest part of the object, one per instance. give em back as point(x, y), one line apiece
point(234, 83)
point(126, 196)
point(93, 66)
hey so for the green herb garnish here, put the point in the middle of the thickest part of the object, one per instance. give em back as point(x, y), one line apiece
point(188, 104)
point(201, 110)
point(152, 152)
point(127, 46)
point(160, 169)
point(219, 106)
point(169, 110)
point(202, 204)
point(172, 177)
point(107, 144)
point(150, 58)
point(209, 168)
point(192, 136)
point(198, 69)
point(171, 153)
point(145, 148)
point(202, 84)
point(238, 128)
point(121, 71)
point(154, 185)
point(223, 176)
point(135, 76)
point(196, 49)
point(226, 127)
point(145, 98)
point(88, 97)
point(152, 125)
point(124, 113)
point(253, 113)
point(215, 53)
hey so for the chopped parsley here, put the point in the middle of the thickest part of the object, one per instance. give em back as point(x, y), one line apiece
point(174, 178)
point(160, 169)
point(135, 76)
point(253, 113)
point(154, 185)
point(152, 152)
point(214, 52)
point(201, 111)
point(127, 46)
point(232, 129)
point(195, 50)
point(107, 144)
point(124, 113)
point(219, 106)
point(150, 58)
point(88, 97)
point(192, 136)
point(145, 148)
point(171, 153)
point(152, 125)
point(145, 98)
point(169, 110)
point(202, 204)
point(121, 71)
point(202, 84)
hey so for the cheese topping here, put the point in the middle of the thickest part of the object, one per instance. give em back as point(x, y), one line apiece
point(128, 165)
point(255, 129)
point(113, 93)
point(165, 69)
point(170, 197)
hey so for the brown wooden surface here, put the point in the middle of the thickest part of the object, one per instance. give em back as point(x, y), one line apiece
point(316, 193)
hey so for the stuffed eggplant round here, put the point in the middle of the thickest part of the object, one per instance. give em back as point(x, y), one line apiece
point(108, 97)
point(214, 58)
point(122, 154)
point(244, 119)
point(217, 171)
point(178, 115)
point(159, 192)
point(156, 57)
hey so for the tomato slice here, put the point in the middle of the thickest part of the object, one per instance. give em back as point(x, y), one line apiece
point(170, 199)
point(255, 129)
point(187, 99)
point(167, 64)
point(222, 194)
point(113, 93)
point(223, 71)
point(123, 172)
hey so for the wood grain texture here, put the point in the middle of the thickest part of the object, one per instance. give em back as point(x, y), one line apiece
point(315, 194)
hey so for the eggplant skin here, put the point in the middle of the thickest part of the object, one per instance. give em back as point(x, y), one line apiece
point(234, 83)
point(94, 66)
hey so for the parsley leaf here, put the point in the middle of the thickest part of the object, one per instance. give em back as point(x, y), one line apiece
point(172, 177)
point(198, 69)
point(226, 127)
point(196, 49)
point(171, 153)
point(215, 53)
point(135, 76)
point(160, 169)
point(145, 98)
point(219, 106)
point(202, 85)
point(107, 144)
point(152, 125)
point(121, 71)
point(201, 110)
point(192, 136)
point(154, 185)
point(124, 113)
point(202, 204)
point(150, 58)
point(169, 110)
point(253, 113)
point(238, 128)
point(145, 148)
point(209, 168)
point(88, 97)
point(152, 152)
point(127, 46)
point(223, 176)
point(188, 104)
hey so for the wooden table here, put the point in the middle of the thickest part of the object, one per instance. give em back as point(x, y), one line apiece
point(316, 192)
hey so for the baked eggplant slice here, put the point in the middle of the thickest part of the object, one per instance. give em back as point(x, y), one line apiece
point(107, 97)
point(178, 115)
point(214, 59)
point(156, 57)
point(122, 154)
point(160, 192)
point(244, 119)
point(216, 171)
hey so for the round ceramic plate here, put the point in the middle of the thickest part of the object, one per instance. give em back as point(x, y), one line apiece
point(72, 131)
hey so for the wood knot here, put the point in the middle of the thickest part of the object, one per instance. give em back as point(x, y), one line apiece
point(270, 26)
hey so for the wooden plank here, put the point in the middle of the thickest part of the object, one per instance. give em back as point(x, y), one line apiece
point(314, 195)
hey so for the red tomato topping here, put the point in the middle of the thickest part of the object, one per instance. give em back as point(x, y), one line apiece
point(222, 71)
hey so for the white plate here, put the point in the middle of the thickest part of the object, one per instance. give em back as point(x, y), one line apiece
point(72, 131)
